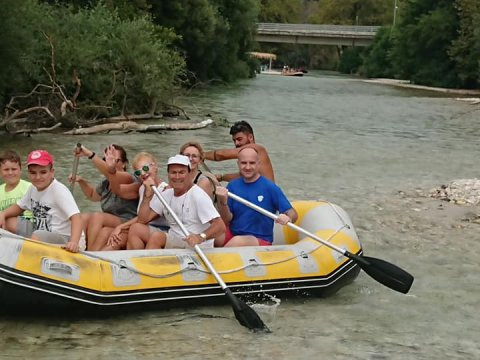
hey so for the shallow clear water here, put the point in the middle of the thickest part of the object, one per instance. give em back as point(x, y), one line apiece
point(353, 143)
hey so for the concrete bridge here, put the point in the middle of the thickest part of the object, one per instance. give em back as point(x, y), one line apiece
point(340, 35)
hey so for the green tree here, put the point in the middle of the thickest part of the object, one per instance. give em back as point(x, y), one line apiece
point(122, 64)
point(280, 11)
point(465, 50)
point(16, 43)
point(214, 34)
point(351, 60)
point(354, 12)
point(238, 23)
point(195, 21)
point(421, 43)
point(377, 61)
point(126, 9)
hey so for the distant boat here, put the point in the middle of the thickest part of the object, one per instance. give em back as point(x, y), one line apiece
point(267, 70)
point(292, 73)
point(270, 72)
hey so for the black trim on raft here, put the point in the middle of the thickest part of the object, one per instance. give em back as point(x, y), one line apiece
point(19, 290)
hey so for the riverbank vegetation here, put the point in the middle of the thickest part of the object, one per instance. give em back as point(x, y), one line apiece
point(429, 42)
point(80, 63)
point(77, 63)
point(435, 43)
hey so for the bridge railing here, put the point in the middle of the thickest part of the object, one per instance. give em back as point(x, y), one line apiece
point(315, 28)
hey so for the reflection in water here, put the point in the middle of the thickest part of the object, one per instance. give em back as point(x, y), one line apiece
point(332, 138)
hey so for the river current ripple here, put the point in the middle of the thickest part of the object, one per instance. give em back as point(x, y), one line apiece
point(363, 146)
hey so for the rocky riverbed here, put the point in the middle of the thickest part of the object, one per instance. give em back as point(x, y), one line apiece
point(423, 219)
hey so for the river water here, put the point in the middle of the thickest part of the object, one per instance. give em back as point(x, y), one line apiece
point(369, 148)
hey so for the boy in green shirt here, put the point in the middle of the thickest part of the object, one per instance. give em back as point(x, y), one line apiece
point(13, 190)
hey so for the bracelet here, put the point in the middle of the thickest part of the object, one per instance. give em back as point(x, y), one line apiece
point(91, 156)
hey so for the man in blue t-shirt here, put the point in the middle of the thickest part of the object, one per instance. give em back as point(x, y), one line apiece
point(247, 226)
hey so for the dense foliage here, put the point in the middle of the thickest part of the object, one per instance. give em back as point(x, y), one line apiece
point(465, 49)
point(421, 42)
point(91, 51)
point(132, 55)
point(128, 55)
point(436, 42)
point(215, 35)
point(353, 12)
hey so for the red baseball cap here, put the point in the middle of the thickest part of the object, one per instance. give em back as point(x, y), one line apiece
point(39, 157)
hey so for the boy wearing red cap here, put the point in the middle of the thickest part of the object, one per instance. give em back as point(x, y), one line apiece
point(56, 214)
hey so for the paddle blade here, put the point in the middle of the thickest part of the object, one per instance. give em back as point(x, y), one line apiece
point(245, 314)
point(384, 272)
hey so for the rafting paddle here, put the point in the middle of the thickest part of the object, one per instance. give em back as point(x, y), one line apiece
point(244, 313)
point(384, 272)
point(75, 166)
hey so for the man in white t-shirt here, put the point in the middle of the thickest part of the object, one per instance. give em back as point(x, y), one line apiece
point(189, 202)
point(56, 214)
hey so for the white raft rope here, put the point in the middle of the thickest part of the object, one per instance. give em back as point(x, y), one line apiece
point(121, 264)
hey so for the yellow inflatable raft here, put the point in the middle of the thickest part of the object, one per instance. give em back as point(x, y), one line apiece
point(34, 273)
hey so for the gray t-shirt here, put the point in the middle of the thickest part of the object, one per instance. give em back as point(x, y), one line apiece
point(115, 205)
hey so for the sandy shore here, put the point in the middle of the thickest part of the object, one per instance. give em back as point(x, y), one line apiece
point(407, 84)
point(413, 221)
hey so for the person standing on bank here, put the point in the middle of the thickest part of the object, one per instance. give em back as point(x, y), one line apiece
point(248, 227)
point(57, 217)
point(242, 137)
point(13, 190)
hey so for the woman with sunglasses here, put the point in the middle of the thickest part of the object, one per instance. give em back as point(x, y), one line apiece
point(115, 210)
point(207, 181)
point(145, 167)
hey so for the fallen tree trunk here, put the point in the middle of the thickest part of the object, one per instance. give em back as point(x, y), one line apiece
point(35, 131)
point(133, 117)
point(127, 126)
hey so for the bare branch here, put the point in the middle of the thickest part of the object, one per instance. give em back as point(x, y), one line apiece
point(35, 131)
point(133, 126)
point(53, 76)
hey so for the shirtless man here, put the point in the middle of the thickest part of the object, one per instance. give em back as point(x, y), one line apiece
point(243, 137)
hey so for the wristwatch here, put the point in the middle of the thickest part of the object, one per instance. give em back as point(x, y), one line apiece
point(203, 236)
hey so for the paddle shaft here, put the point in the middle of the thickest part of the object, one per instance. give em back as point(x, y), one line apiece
point(384, 272)
point(186, 233)
point(291, 225)
point(75, 167)
point(244, 313)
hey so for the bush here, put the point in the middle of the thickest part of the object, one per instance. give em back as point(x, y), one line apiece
point(350, 60)
point(122, 64)
point(377, 57)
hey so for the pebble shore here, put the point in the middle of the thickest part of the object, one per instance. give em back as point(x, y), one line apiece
point(475, 99)
point(460, 192)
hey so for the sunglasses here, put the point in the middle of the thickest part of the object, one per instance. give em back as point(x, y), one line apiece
point(145, 168)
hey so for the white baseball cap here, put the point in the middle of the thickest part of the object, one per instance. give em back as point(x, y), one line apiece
point(179, 160)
